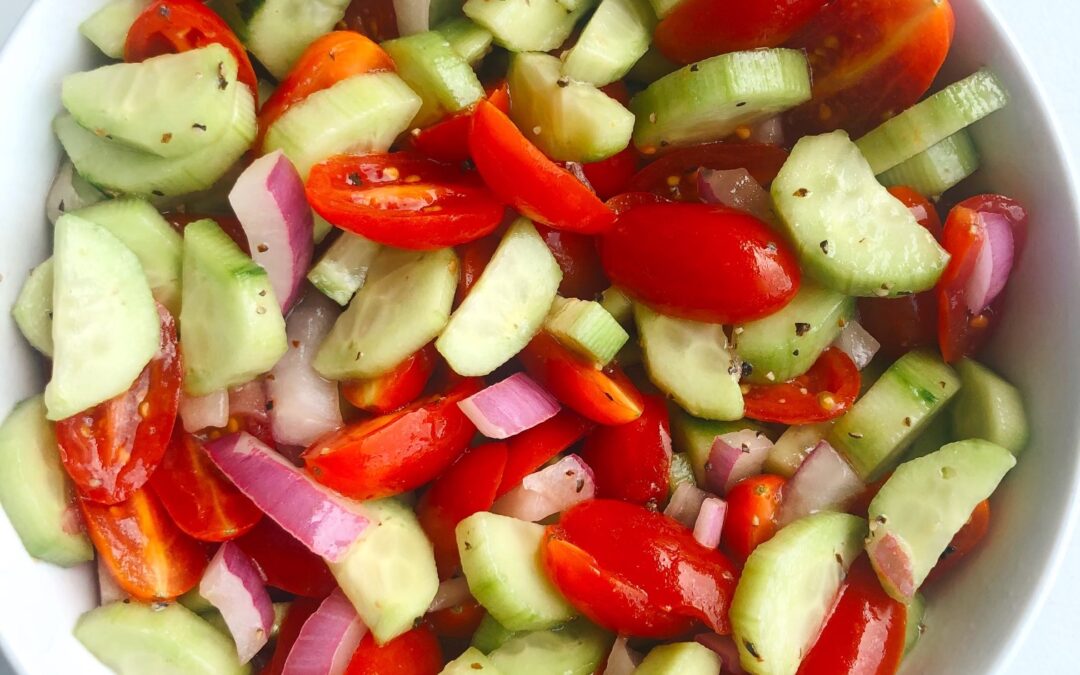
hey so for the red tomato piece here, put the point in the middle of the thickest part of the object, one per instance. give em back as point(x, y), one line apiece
point(753, 504)
point(285, 563)
point(111, 450)
point(674, 174)
point(522, 177)
point(865, 633)
point(583, 277)
point(474, 257)
point(376, 19)
point(920, 207)
point(824, 392)
point(611, 176)
point(631, 461)
point(398, 452)
point(176, 26)
point(299, 611)
point(963, 542)
point(700, 261)
point(142, 547)
point(416, 652)
point(533, 448)
point(458, 622)
point(396, 389)
point(448, 140)
point(606, 396)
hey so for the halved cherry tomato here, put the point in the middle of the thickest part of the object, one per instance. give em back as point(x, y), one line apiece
point(606, 396)
point(700, 261)
point(468, 486)
point(199, 498)
point(731, 27)
point(448, 140)
point(824, 392)
point(111, 450)
point(458, 622)
point(674, 174)
point(869, 59)
point(295, 618)
point(474, 257)
point(753, 504)
point(631, 461)
point(580, 263)
point(612, 175)
point(396, 389)
point(533, 448)
point(376, 19)
point(327, 61)
point(398, 452)
point(142, 547)
point(963, 542)
point(403, 199)
point(285, 563)
point(416, 652)
point(175, 26)
point(521, 176)
point(637, 571)
point(921, 207)
point(865, 633)
point(961, 331)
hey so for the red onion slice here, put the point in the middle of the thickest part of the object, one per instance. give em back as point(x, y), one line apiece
point(710, 522)
point(735, 456)
point(451, 593)
point(204, 412)
point(858, 344)
point(738, 189)
point(993, 264)
point(509, 407)
point(550, 490)
point(268, 199)
point(685, 503)
point(327, 640)
point(320, 519)
point(725, 648)
point(108, 589)
point(233, 584)
point(621, 660)
point(823, 482)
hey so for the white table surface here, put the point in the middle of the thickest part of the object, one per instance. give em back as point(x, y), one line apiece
point(1045, 31)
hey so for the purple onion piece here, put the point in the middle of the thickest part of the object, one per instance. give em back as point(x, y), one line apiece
point(234, 586)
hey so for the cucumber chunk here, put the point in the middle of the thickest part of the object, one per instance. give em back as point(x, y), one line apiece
point(343, 269)
point(102, 306)
point(574, 649)
point(524, 25)
point(500, 557)
point(33, 308)
point(586, 328)
point(506, 306)
point(170, 105)
point(278, 31)
point(616, 36)
point(989, 408)
point(133, 638)
point(403, 305)
point(787, 454)
point(569, 121)
point(443, 79)
point(116, 168)
point(692, 362)
point(231, 329)
point(664, 7)
point(108, 27)
point(695, 437)
point(490, 635)
point(932, 120)
point(786, 343)
point(360, 114)
point(850, 234)
point(618, 305)
point(788, 587)
point(470, 41)
point(710, 99)
point(471, 662)
point(938, 168)
point(389, 574)
point(680, 658)
point(34, 489)
point(924, 504)
point(916, 622)
point(885, 421)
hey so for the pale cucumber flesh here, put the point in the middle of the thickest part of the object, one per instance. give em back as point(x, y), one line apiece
point(33, 308)
point(617, 35)
point(989, 408)
point(442, 78)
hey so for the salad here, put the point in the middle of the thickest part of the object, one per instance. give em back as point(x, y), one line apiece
point(517, 336)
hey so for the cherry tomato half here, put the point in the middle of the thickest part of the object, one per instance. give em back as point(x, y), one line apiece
point(612, 175)
point(416, 652)
point(631, 461)
point(285, 563)
point(376, 19)
point(396, 389)
point(448, 140)
point(583, 277)
point(674, 174)
point(474, 257)
point(458, 622)
point(753, 504)
point(824, 392)
point(535, 447)
point(963, 542)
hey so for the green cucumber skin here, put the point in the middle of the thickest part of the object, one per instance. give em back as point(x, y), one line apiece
point(33, 308)
point(108, 27)
point(615, 38)
point(989, 408)
point(278, 31)
point(490, 635)
point(471, 41)
point(940, 167)
point(576, 648)
point(443, 79)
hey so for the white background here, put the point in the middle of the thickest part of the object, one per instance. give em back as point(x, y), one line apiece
point(1047, 31)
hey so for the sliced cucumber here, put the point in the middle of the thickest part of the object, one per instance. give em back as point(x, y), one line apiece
point(108, 27)
point(230, 326)
point(786, 343)
point(500, 557)
point(490, 635)
point(787, 454)
point(361, 114)
point(471, 41)
point(681, 470)
point(34, 489)
point(664, 7)
point(342, 270)
point(119, 169)
point(710, 99)
point(577, 648)
point(403, 305)
point(133, 638)
point(278, 31)
point(916, 622)
point(618, 305)
point(680, 658)
point(695, 437)
point(884, 422)
point(989, 408)
point(938, 168)
point(506, 306)
point(389, 574)
point(139, 104)
point(932, 120)
point(850, 234)
point(787, 588)
point(524, 25)
point(471, 662)
point(569, 121)
point(617, 35)
point(33, 308)
point(586, 328)
point(651, 67)
point(691, 361)
point(445, 82)
point(924, 504)
point(102, 305)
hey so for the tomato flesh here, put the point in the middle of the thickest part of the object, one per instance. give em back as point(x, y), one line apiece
point(674, 174)
point(963, 542)
point(535, 447)
point(612, 175)
point(285, 563)
point(396, 389)
point(376, 19)
point(631, 461)
point(416, 652)
point(824, 392)
point(448, 140)
point(458, 622)
point(753, 505)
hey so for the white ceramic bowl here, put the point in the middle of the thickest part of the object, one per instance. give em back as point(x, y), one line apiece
point(976, 621)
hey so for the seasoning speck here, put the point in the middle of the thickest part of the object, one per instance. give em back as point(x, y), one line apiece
point(825, 246)
point(262, 248)
point(801, 328)
point(854, 434)
point(801, 192)
point(166, 137)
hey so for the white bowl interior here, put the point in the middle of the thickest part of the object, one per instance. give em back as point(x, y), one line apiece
point(975, 621)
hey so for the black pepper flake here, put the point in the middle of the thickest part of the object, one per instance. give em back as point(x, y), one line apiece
point(468, 165)
point(854, 434)
point(801, 192)
point(801, 328)
point(747, 369)
point(262, 248)
point(752, 649)
point(664, 144)
point(563, 82)
point(942, 383)
point(62, 209)
point(609, 396)
point(949, 550)
point(158, 193)
point(200, 127)
point(734, 369)
point(694, 68)
point(353, 179)
point(468, 546)
point(269, 405)
point(740, 104)
point(825, 246)
point(795, 352)
point(907, 421)
point(222, 81)
point(840, 559)
point(580, 485)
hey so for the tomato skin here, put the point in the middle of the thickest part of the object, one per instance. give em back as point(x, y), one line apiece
point(831, 387)
point(416, 652)
point(865, 633)
point(533, 448)
point(522, 177)
point(112, 449)
point(963, 542)
point(395, 453)
point(285, 563)
point(299, 611)
point(376, 19)
point(631, 461)
point(474, 257)
point(606, 396)
point(580, 263)
point(142, 547)
point(749, 24)
point(448, 140)
point(396, 389)
point(753, 504)
point(700, 261)
point(674, 174)
point(611, 176)
point(458, 622)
